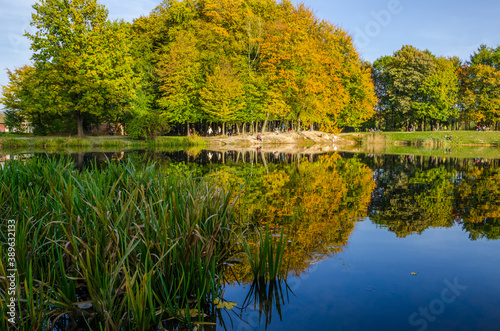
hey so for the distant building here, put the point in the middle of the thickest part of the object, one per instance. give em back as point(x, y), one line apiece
point(26, 127)
point(3, 127)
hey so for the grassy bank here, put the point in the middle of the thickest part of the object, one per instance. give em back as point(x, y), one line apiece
point(97, 142)
point(428, 139)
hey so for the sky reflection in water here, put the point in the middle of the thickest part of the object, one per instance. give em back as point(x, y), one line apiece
point(369, 286)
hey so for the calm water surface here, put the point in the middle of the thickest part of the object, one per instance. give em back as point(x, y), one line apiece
point(375, 242)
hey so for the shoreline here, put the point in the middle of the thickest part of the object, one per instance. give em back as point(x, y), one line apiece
point(309, 141)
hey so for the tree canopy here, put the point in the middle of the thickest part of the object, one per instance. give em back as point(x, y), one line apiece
point(81, 63)
point(416, 88)
point(236, 62)
point(242, 63)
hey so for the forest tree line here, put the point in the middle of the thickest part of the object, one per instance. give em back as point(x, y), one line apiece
point(192, 62)
point(418, 90)
point(245, 63)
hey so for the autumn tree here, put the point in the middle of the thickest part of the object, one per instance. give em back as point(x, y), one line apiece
point(285, 63)
point(480, 86)
point(81, 60)
point(149, 35)
point(21, 100)
point(414, 86)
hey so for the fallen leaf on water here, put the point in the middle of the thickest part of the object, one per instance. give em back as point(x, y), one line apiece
point(414, 273)
point(224, 304)
point(192, 312)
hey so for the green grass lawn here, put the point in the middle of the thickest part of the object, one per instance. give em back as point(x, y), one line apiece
point(429, 138)
point(458, 137)
point(464, 144)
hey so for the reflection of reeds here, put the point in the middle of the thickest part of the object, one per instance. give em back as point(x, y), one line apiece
point(266, 295)
point(193, 140)
point(194, 151)
point(134, 245)
point(267, 259)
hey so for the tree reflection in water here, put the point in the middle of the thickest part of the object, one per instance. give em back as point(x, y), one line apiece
point(317, 204)
point(413, 195)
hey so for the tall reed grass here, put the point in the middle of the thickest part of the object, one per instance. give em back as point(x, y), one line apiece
point(190, 141)
point(266, 257)
point(375, 138)
point(429, 142)
point(13, 143)
point(115, 248)
point(42, 143)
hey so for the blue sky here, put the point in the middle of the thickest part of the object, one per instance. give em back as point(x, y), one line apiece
point(379, 27)
point(445, 27)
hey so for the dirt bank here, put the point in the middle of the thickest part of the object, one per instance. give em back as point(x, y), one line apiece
point(307, 142)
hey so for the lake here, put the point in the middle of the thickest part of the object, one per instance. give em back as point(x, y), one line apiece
point(374, 242)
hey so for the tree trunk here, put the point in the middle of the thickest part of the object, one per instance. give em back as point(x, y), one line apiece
point(423, 124)
point(79, 124)
point(187, 128)
point(265, 124)
point(243, 128)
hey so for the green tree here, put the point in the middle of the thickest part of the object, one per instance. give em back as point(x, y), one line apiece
point(479, 82)
point(82, 60)
point(223, 95)
point(439, 94)
point(16, 95)
point(180, 75)
point(402, 75)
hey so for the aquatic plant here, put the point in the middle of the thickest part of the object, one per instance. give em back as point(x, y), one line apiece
point(118, 247)
point(13, 143)
point(267, 257)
